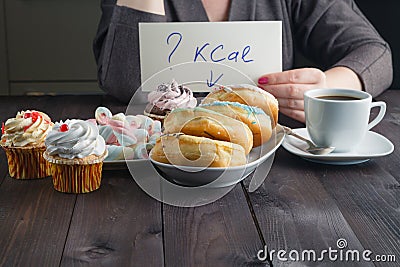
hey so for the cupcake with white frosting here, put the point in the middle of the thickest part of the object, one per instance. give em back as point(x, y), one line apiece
point(23, 141)
point(76, 151)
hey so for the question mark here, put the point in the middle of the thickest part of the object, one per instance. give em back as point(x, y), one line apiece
point(176, 46)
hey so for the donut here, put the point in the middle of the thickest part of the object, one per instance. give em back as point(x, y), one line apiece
point(254, 117)
point(187, 150)
point(249, 95)
point(207, 123)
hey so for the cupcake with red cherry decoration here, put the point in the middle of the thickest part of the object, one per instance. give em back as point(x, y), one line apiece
point(23, 141)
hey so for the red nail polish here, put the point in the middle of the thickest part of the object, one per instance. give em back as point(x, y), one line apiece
point(263, 80)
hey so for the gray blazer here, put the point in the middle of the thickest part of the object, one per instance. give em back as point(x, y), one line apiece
point(328, 32)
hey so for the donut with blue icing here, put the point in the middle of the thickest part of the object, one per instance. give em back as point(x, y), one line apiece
point(249, 95)
point(254, 117)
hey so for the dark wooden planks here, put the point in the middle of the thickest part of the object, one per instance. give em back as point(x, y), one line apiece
point(364, 198)
point(34, 218)
point(117, 225)
point(34, 221)
point(222, 233)
point(207, 235)
point(390, 128)
point(295, 212)
point(368, 204)
point(368, 194)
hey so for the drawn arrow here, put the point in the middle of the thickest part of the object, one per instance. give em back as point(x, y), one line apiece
point(211, 83)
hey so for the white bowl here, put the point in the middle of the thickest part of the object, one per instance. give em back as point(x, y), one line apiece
point(220, 176)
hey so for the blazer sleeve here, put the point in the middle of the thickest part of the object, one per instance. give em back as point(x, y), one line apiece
point(336, 33)
point(116, 49)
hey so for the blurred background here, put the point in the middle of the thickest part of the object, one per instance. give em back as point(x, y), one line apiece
point(46, 45)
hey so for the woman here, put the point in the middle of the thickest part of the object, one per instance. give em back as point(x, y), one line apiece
point(332, 33)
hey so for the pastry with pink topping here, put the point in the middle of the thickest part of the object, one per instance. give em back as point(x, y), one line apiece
point(168, 97)
point(127, 136)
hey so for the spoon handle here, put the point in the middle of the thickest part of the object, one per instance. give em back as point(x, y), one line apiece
point(290, 132)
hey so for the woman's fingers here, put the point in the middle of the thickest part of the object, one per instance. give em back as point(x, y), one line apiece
point(289, 87)
point(295, 76)
point(290, 103)
point(295, 91)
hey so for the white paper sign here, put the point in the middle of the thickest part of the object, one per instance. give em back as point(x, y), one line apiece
point(206, 54)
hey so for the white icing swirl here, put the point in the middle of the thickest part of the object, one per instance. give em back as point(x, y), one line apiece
point(78, 139)
point(28, 128)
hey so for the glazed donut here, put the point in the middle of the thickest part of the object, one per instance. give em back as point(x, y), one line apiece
point(187, 150)
point(249, 95)
point(207, 123)
point(254, 117)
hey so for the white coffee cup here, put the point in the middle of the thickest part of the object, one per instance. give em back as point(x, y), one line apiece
point(340, 117)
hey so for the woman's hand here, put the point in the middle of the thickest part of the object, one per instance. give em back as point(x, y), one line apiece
point(289, 86)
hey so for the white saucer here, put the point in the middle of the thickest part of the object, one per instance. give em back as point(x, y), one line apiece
point(373, 145)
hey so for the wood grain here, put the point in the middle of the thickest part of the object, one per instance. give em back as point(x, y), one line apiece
point(296, 213)
point(368, 205)
point(368, 194)
point(218, 234)
point(390, 127)
point(117, 225)
point(34, 221)
point(301, 205)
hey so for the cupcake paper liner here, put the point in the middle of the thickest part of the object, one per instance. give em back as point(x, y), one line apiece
point(76, 175)
point(27, 162)
point(76, 178)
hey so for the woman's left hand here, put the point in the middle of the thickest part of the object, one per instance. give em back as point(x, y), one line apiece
point(289, 87)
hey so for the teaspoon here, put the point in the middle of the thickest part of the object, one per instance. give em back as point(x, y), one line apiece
point(312, 148)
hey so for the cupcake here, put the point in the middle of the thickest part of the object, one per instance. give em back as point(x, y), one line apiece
point(76, 152)
point(23, 141)
point(168, 97)
point(127, 136)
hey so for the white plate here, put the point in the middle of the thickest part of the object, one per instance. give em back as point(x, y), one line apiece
point(220, 177)
point(373, 145)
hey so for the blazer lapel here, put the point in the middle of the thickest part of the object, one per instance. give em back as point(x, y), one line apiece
point(242, 10)
point(187, 10)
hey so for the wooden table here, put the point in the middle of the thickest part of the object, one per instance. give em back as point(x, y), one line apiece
point(301, 206)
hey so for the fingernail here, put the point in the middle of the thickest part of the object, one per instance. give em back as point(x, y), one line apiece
point(263, 80)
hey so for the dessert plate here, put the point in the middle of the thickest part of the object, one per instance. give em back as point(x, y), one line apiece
point(216, 176)
point(372, 146)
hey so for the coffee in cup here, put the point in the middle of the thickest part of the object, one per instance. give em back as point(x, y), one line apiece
point(340, 117)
